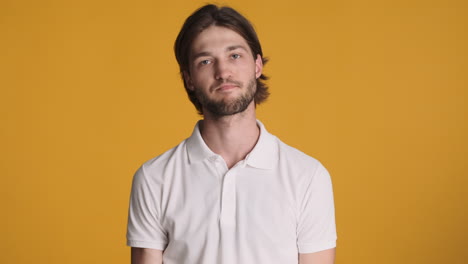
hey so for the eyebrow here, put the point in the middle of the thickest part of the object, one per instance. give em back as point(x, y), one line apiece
point(206, 53)
point(200, 54)
point(231, 48)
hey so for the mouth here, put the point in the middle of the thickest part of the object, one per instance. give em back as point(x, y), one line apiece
point(227, 86)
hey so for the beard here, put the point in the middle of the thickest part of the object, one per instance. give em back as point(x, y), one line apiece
point(227, 107)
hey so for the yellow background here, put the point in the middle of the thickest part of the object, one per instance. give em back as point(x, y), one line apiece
point(376, 90)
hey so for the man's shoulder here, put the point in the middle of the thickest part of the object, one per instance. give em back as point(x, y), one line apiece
point(300, 168)
point(297, 157)
point(294, 153)
point(161, 161)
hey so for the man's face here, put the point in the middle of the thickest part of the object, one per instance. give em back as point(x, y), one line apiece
point(222, 71)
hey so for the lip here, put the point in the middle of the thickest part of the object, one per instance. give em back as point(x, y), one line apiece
point(226, 87)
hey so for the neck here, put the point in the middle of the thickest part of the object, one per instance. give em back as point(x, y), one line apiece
point(232, 137)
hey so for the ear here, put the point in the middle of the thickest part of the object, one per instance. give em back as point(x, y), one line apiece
point(258, 66)
point(188, 81)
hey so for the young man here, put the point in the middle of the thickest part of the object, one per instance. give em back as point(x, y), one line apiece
point(231, 193)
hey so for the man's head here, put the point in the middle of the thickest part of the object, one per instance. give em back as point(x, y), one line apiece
point(223, 20)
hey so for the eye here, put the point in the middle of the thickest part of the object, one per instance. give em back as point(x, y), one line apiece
point(205, 62)
point(235, 56)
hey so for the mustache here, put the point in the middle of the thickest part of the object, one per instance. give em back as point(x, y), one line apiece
point(231, 82)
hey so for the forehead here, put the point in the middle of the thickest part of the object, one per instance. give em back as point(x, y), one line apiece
point(216, 38)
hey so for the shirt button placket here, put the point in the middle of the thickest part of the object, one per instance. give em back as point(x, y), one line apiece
point(228, 200)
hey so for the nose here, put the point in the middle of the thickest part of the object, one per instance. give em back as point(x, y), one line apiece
point(223, 70)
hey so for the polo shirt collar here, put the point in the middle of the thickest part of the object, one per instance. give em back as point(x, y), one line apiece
point(263, 156)
point(197, 149)
point(265, 153)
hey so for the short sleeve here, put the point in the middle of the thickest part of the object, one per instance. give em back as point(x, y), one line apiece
point(316, 230)
point(144, 229)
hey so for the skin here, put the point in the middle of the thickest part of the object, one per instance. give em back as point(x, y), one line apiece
point(146, 256)
point(221, 67)
point(322, 257)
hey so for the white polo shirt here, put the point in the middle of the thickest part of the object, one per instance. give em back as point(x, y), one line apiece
point(269, 207)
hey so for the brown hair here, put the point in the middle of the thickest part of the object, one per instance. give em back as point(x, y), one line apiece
point(212, 15)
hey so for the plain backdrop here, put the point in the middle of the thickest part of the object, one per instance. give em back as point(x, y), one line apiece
point(376, 90)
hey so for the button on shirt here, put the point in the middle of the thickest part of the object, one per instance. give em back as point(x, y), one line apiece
point(269, 207)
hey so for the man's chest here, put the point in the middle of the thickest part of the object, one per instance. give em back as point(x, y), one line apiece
point(244, 202)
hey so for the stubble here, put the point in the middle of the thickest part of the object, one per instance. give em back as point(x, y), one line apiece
point(226, 107)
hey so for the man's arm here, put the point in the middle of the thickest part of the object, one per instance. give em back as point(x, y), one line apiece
point(321, 257)
point(146, 256)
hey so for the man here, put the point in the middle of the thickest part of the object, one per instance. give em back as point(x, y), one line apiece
point(231, 193)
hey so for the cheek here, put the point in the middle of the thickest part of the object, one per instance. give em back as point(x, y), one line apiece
point(201, 79)
point(202, 74)
point(250, 68)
